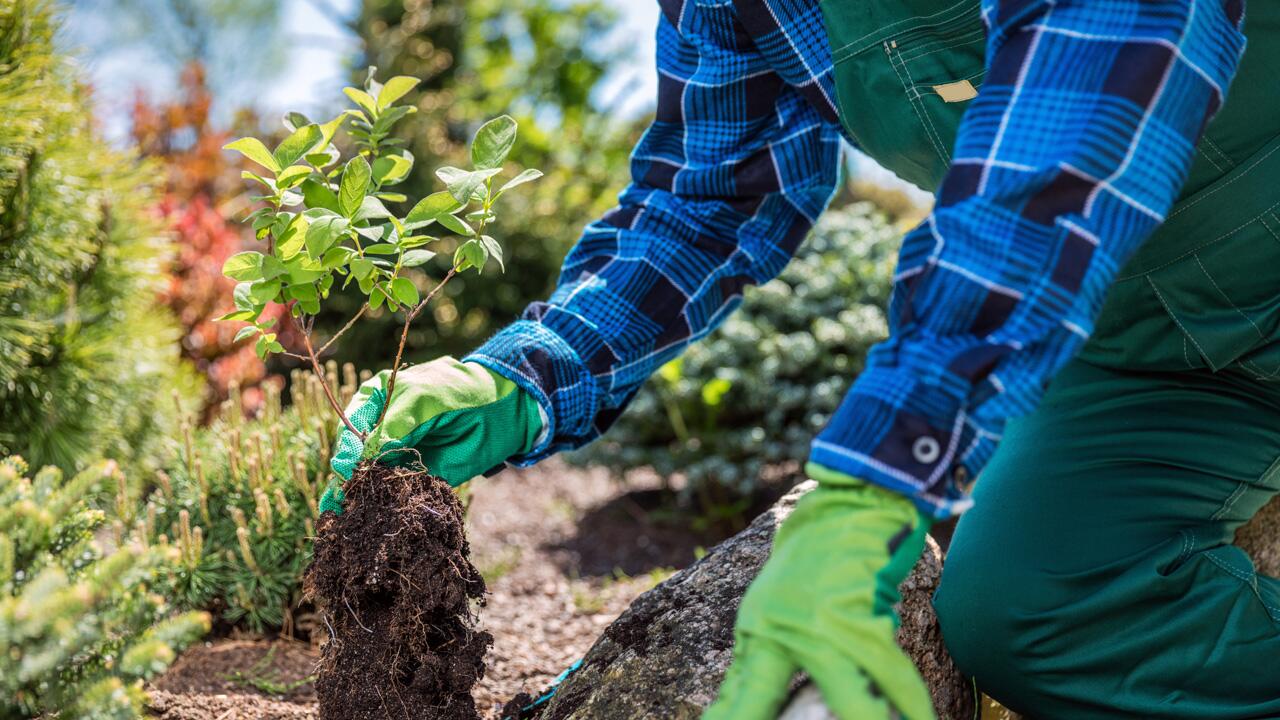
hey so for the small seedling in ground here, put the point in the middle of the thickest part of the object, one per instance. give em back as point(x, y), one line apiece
point(393, 571)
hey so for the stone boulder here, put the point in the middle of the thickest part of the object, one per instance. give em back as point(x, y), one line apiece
point(666, 655)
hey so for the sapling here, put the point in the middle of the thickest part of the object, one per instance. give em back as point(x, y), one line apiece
point(325, 222)
point(392, 572)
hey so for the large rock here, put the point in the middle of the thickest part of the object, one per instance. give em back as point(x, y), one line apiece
point(1260, 537)
point(666, 655)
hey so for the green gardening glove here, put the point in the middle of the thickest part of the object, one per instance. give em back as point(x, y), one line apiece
point(824, 604)
point(462, 419)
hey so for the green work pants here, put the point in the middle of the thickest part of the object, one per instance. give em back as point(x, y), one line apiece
point(1095, 576)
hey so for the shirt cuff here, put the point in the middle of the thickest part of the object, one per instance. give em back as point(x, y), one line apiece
point(542, 364)
point(895, 432)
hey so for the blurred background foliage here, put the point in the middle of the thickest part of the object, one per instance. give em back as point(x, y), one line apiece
point(87, 367)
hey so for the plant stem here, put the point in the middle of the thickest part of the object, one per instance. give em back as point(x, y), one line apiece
point(324, 382)
point(404, 337)
point(344, 329)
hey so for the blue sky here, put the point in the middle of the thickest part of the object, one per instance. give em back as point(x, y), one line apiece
point(325, 50)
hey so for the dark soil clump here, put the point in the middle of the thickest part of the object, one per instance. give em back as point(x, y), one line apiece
point(397, 587)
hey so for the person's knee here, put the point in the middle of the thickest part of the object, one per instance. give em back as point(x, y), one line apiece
point(983, 607)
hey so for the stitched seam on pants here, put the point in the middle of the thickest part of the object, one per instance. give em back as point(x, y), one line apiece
point(1223, 156)
point(1266, 220)
point(1204, 154)
point(1199, 247)
point(908, 85)
point(1256, 329)
point(1249, 580)
point(1182, 327)
point(1230, 501)
point(1185, 356)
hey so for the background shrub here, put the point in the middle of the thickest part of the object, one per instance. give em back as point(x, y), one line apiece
point(239, 501)
point(81, 624)
point(755, 392)
point(87, 364)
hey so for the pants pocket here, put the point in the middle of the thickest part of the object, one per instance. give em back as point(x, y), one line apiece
point(1224, 298)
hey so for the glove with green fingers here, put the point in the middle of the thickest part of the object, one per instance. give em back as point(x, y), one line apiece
point(460, 419)
point(823, 603)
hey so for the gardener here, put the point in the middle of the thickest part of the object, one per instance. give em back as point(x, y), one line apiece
point(1092, 228)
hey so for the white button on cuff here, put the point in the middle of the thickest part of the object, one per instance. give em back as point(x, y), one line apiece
point(926, 450)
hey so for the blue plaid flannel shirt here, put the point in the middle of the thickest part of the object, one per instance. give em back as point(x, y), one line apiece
point(1072, 154)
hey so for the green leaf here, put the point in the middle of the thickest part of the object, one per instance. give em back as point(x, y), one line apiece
point(253, 149)
point(290, 242)
point(242, 300)
point(271, 267)
point(292, 175)
point(413, 241)
point(299, 143)
point(381, 249)
point(464, 185)
point(456, 225)
point(470, 254)
point(323, 233)
point(246, 175)
point(244, 266)
point(337, 257)
point(405, 291)
point(493, 142)
point(264, 291)
point(363, 99)
point(492, 247)
point(414, 258)
point(324, 158)
point(391, 169)
point(390, 117)
point(391, 196)
point(295, 120)
point(303, 269)
point(527, 176)
point(430, 208)
point(396, 88)
point(355, 184)
point(376, 298)
point(329, 129)
point(318, 195)
point(371, 208)
point(241, 315)
point(361, 268)
point(374, 233)
point(244, 333)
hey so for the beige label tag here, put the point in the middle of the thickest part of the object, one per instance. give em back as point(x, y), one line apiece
point(958, 91)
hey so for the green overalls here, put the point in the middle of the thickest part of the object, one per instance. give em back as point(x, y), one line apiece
point(1095, 576)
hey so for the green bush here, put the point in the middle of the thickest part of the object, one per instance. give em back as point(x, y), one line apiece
point(755, 392)
point(87, 362)
point(239, 501)
point(81, 625)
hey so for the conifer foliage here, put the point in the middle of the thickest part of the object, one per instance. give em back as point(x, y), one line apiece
point(87, 364)
point(239, 501)
point(81, 623)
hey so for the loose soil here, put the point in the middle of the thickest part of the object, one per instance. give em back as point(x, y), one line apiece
point(563, 550)
point(395, 583)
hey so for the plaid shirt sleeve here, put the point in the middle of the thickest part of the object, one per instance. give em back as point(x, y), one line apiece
point(1072, 154)
point(741, 159)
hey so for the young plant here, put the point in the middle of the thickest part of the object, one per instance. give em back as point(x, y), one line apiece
point(325, 222)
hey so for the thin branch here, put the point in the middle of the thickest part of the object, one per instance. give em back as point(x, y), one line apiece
point(344, 329)
point(404, 337)
point(324, 382)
